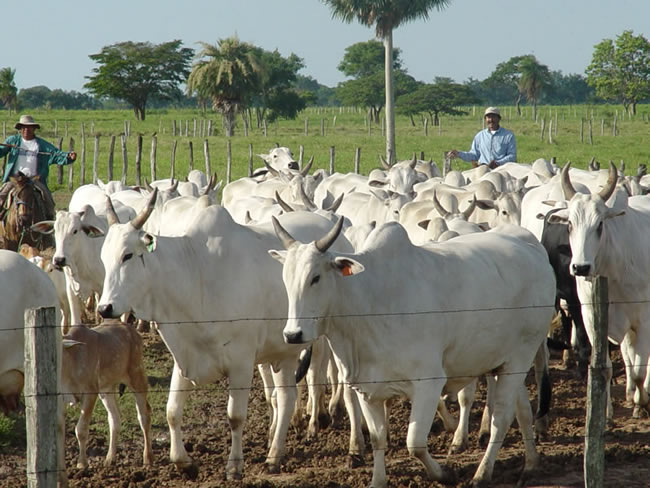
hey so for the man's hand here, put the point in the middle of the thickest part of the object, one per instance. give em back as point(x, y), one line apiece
point(493, 164)
point(453, 154)
point(72, 156)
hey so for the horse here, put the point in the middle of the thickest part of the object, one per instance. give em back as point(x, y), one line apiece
point(25, 206)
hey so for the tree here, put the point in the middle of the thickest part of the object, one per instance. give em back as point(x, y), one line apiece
point(229, 74)
point(8, 90)
point(367, 58)
point(136, 71)
point(277, 96)
point(443, 96)
point(314, 93)
point(534, 77)
point(503, 82)
point(620, 70)
point(385, 16)
point(567, 89)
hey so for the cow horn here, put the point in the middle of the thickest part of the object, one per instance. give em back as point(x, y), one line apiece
point(305, 171)
point(139, 220)
point(439, 208)
point(147, 185)
point(210, 185)
point(567, 187)
point(284, 205)
point(111, 216)
point(609, 188)
point(272, 170)
point(282, 234)
point(413, 162)
point(324, 243)
point(308, 202)
point(336, 204)
point(384, 163)
point(468, 211)
point(174, 185)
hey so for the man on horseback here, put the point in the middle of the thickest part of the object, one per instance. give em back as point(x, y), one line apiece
point(31, 156)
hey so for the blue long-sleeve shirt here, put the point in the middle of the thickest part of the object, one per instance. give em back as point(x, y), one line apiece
point(487, 147)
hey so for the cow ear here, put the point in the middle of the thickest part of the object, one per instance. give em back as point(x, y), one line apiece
point(278, 255)
point(149, 241)
point(92, 231)
point(558, 218)
point(347, 266)
point(44, 227)
point(614, 213)
point(67, 343)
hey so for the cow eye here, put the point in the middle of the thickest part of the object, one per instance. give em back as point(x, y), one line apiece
point(75, 231)
point(127, 257)
point(569, 227)
point(315, 280)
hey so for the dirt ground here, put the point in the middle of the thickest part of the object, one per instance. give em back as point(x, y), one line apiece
point(322, 462)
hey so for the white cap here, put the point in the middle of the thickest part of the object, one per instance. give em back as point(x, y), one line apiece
point(492, 110)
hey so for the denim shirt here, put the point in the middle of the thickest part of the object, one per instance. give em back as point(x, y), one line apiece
point(500, 147)
point(43, 160)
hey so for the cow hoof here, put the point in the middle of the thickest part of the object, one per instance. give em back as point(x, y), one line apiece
point(191, 471)
point(457, 448)
point(234, 476)
point(272, 468)
point(483, 439)
point(324, 420)
point(640, 412)
point(355, 461)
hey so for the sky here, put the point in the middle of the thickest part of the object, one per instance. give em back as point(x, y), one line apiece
point(51, 44)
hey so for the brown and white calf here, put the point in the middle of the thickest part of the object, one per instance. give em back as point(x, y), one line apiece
point(95, 362)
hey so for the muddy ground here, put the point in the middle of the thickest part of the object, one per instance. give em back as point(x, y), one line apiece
point(323, 463)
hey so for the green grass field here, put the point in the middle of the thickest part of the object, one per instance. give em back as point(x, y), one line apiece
point(337, 131)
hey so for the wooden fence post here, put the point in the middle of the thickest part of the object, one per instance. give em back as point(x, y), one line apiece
point(541, 135)
point(307, 126)
point(172, 164)
point(301, 155)
point(357, 160)
point(322, 127)
point(111, 151)
point(59, 169)
point(191, 155)
point(550, 131)
point(125, 161)
point(96, 160)
point(332, 155)
point(228, 161)
point(43, 404)
point(591, 133)
point(206, 154)
point(594, 456)
point(152, 158)
point(71, 167)
point(426, 126)
point(138, 160)
point(250, 160)
point(582, 129)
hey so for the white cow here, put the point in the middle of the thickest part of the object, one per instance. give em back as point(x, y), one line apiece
point(225, 317)
point(23, 286)
point(398, 332)
point(612, 241)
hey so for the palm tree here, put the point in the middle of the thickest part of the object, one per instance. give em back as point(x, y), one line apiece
point(229, 74)
point(385, 16)
point(534, 78)
point(8, 90)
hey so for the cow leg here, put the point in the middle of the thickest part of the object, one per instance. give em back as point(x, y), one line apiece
point(488, 410)
point(465, 401)
point(628, 362)
point(316, 379)
point(448, 421)
point(73, 300)
point(179, 390)
point(542, 378)
point(82, 427)
point(269, 396)
point(285, 382)
point(422, 413)
point(357, 446)
point(140, 387)
point(506, 391)
point(336, 402)
point(373, 412)
point(241, 379)
point(110, 403)
point(525, 420)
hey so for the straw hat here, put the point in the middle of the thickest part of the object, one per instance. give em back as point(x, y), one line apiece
point(27, 120)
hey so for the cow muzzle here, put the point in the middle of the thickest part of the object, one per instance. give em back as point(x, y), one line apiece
point(106, 311)
point(58, 262)
point(293, 337)
point(581, 269)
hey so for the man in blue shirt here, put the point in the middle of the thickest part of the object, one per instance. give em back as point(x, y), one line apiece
point(493, 146)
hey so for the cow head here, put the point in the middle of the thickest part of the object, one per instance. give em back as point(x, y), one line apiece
point(586, 217)
point(309, 274)
point(123, 254)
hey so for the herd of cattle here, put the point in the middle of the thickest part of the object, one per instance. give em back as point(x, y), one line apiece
point(406, 282)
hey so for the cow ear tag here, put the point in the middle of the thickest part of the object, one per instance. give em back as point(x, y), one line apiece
point(151, 247)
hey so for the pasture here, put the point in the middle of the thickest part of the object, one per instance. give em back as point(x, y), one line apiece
point(322, 461)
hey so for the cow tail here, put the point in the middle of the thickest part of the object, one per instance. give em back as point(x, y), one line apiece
point(303, 364)
point(544, 404)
